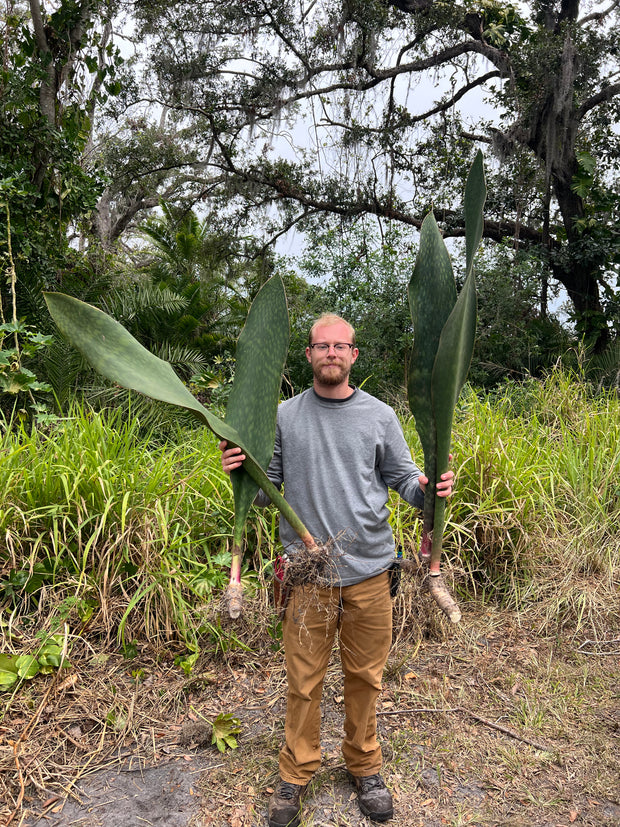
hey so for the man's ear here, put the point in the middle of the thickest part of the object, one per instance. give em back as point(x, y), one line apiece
point(308, 354)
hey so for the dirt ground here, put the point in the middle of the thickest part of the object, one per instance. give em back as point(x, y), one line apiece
point(484, 723)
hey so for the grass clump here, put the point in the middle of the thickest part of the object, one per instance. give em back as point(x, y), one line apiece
point(535, 522)
point(102, 528)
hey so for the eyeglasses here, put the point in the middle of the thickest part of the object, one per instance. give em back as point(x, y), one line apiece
point(339, 347)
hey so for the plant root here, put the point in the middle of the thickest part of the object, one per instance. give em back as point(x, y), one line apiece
point(233, 600)
point(310, 566)
point(442, 597)
point(436, 587)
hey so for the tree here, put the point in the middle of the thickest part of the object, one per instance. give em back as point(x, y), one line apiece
point(363, 278)
point(202, 267)
point(57, 65)
point(513, 339)
point(353, 72)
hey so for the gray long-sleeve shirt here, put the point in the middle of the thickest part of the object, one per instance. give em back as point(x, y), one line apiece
point(336, 460)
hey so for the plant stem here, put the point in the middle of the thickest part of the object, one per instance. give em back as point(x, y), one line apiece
point(234, 593)
point(259, 477)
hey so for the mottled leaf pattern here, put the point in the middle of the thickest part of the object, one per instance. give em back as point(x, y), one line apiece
point(253, 401)
point(432, 294)
point(444, 332)
point(456, 343)
point(115, 353)
point(475, 196)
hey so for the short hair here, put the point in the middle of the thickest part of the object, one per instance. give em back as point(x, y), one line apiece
point(328, 319)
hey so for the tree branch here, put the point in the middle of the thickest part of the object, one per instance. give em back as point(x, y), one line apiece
point(602, 96)
point(285, 189)
point(47, 93)
point(599, 15)
point(377, 76)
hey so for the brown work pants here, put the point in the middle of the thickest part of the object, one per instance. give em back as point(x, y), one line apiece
point(362, 615)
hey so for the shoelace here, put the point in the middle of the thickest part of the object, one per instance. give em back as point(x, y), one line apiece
point(373, 782)
point(288, 790)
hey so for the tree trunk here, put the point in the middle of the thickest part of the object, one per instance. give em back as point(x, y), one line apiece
point(579, 270)
point(583, 290)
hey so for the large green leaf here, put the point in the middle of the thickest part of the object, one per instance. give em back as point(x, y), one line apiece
point(451, 365)
point(253, 401)
point(444, 331)
point(120, 358)
point(8, 671)
point(456, 343)
point(432, 294)
point(475, 196)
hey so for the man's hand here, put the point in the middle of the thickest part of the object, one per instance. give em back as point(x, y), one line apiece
point(231, 457)
point(444, 488)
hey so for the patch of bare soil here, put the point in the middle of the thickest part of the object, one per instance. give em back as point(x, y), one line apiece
point(163, 794)
point(484, 723)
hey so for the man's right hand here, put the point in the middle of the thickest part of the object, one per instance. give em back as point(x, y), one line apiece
point(231, 457)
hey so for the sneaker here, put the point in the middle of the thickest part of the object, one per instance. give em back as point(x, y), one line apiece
point(285, 804)
point(374, 798)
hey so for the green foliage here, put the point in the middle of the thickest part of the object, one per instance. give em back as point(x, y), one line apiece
point(225, 727)
point(204, 269)
point(120, 534)
point(56, 66)
point(19, 343)
point(361, 276)
point(187, 661)
point(19, 585)
point(14, 376)
point(15, 669)
point(513, 338)
point(44, 130)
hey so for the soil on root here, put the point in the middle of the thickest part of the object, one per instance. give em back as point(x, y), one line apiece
point(485, 723)
point(310, 566)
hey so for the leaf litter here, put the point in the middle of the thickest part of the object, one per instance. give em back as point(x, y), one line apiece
point(486, 723)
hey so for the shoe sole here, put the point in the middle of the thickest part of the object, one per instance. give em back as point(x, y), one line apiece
point(380, 817)
point(294, 822)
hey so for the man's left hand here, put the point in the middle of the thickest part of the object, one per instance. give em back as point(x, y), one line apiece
point(444, 486)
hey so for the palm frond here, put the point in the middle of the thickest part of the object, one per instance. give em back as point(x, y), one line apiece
point(142, 301)
point(61, 367)
point(185, 360)
point(604, 368)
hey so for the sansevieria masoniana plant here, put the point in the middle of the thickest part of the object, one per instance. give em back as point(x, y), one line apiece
point(252, 406)
point(251, 411)
point(444, 328)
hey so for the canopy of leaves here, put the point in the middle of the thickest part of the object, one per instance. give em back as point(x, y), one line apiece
point(319, 106)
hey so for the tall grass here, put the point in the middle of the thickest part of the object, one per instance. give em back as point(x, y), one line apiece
point(535, 521)
point(119, 535)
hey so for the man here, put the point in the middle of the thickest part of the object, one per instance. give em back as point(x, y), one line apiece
point(337, 451)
